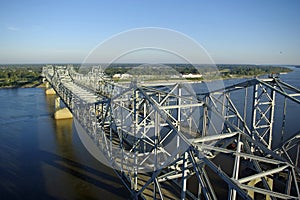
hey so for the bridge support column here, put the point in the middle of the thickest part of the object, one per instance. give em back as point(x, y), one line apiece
point(49, 90)
point(61, 113)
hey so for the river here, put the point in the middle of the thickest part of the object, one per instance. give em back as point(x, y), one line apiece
point(44, 159)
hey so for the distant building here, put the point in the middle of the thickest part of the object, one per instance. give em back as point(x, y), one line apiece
point(116, 76)
point(125, 76)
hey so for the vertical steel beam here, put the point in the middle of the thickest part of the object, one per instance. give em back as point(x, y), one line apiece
point(184, 175)
point(271, 117)
point(205, 117)
point(178, 117)
point(135, 124)
point(236, 167)
point(254, 104)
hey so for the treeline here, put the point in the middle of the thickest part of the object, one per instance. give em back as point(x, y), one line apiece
point(251, 70)
point(223, 70)
point(178, 68)
point(19, 75)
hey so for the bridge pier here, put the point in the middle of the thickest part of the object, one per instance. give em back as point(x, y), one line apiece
point(49, 90)
point(61, 113)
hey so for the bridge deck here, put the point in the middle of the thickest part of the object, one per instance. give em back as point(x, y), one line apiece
point(80, 92)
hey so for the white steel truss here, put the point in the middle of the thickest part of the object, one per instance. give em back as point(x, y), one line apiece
point(164, 142)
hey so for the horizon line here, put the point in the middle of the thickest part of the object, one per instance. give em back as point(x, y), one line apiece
point(77, 63)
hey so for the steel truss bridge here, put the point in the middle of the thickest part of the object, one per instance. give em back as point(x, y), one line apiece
point(165, 142)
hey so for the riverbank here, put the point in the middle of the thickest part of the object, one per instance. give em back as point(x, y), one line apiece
point(26, 85)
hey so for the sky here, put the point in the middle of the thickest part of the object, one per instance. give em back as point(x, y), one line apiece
point(230, 31)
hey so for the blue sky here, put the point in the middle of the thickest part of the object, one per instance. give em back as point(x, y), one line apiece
point(232, 31)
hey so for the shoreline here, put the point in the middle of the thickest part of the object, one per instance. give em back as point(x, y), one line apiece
point(38, 85)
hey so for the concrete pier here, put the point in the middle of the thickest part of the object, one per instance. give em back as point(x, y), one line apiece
point(50, 91)
point(63, 113)
point(60, 113)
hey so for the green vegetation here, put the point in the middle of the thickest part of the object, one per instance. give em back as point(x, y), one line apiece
point(20, 75)
point(251, 70)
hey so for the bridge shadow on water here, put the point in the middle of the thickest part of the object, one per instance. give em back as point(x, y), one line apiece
point(92, 179)
point(85, 173)
point(86, 178)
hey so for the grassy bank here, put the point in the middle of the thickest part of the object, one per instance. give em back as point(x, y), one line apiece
point(18, 76)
